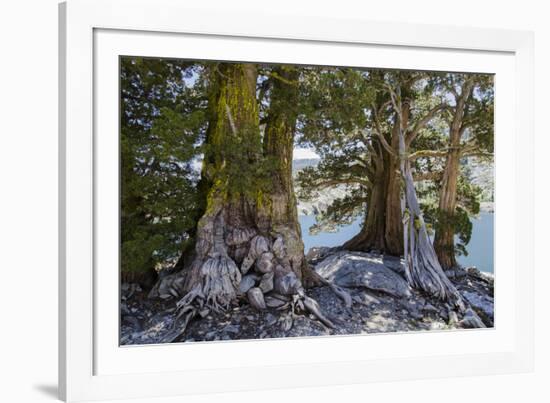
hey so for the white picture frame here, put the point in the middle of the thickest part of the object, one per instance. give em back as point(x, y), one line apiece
point(93, 33)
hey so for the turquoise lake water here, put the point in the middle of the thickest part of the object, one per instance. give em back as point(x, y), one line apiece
point(480, 248)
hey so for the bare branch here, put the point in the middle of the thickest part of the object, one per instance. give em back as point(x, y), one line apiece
point(396, 103)
point(427, 153)
point(277, 76)
point(381, 137)
point(420, 124)
point(427, 176)
point(327, 183)
point(478, 153)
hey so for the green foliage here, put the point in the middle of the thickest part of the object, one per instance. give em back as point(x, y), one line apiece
point(173, 112)
point(468, 196)
point(335, 118)
point(342, 211)
point(246, 171)
point(352, 153)
point(329, 173)
point(235, 164)
point(332, 107)
point(162, 123)
point(478, 119)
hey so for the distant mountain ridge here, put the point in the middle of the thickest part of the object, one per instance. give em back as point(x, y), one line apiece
point(479, 172)
point(299, 164)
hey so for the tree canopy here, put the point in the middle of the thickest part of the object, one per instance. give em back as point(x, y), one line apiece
point(179, 139)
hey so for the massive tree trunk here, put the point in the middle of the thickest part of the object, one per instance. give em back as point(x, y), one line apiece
point(248, 242)
point(444, 242)
point(228, 224)
point(278, 217)
point(371, 236)
point(382, 229)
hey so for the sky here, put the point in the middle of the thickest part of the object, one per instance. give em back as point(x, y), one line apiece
point(304, 153)
point(299, 153)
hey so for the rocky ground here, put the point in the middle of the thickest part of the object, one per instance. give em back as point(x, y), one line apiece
point(382, 301)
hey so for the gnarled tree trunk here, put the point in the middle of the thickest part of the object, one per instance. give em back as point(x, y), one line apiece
point(371, 236)
point(382, 229)
point(422, 267)
point(248, 241)
point(228, 224)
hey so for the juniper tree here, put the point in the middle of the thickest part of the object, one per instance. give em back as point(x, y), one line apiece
point(339, 123)
point(358, 144)
point(422, 268)
point(162, 119)
point(249, 225)
point(470, 134)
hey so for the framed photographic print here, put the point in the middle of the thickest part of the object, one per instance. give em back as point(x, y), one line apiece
point(244, 207)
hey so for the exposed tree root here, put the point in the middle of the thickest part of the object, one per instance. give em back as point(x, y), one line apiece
point(342, 294)
point(422, 268)
point(267, 269)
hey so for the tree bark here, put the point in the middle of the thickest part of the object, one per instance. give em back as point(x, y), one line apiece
point(422, 267)
point(393, 234)
point(372, 234)
point(248, 240)
point(382, 230)
point(444, 242)
point(227, 225)
point(279, 216)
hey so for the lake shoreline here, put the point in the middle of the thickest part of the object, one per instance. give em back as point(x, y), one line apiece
point(482, 239)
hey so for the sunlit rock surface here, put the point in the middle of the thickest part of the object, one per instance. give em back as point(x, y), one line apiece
point(381, 302)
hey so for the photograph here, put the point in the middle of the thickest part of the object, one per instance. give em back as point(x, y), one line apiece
point(263, 203)
point(263, 200)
